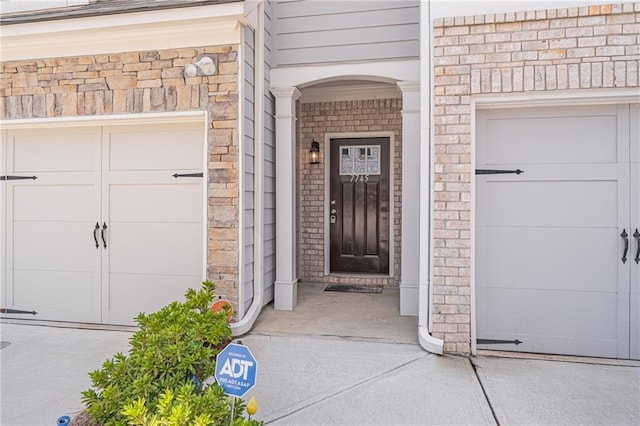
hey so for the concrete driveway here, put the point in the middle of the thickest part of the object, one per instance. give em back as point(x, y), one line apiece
point(336, 381)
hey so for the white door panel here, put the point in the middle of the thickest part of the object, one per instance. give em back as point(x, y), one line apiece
point(157, 202)
point(75, 248)
point(550, 203)
point(58, 295)
point(155, 220)
point(51, 203)
point(506, 254)
point(53, 266)
point(118, 176)
point(154, 147)
point(548, 246)
point(634, 261)
point(532, 312)
point(575, 135)
point(55, 150)
point(635, 227)
point(155, 248)
point(589, 327)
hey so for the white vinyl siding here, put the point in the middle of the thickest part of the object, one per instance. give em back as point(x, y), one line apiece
point(248, 166)
point(269, 167)
point(317, 32)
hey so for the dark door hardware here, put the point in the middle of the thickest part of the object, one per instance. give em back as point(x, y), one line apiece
point(16, 311)
point(498, 172)
point(18, 177)
point(625, 237)
point(95, 235)
point(636, 235)
point(104, 228)
point(176, 175)
point(497, 342)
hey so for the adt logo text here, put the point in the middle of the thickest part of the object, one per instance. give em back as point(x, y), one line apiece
point(236, 370)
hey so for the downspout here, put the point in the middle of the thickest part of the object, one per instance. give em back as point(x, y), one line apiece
point(427, 341)
point(245, 324)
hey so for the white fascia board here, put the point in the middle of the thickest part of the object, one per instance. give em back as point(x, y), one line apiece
point(105, 120)
point(151, 30)
point(383, 71)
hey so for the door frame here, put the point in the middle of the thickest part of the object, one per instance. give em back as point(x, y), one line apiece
point(327, 196)
point(201, 117)
point(541, 99)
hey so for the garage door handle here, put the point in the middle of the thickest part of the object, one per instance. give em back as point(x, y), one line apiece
point(95, 235)
point(636, 235)
point(104, 228)
point(625, 237)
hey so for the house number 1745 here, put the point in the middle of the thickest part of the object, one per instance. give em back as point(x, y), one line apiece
point(359, 178)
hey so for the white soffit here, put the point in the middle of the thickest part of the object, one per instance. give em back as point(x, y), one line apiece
point(153, 30)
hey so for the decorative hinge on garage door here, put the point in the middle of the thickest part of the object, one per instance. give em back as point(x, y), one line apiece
point(498, 172)
point(18, 177)
point(176, 175)
point(497, 342)
point(16, 311)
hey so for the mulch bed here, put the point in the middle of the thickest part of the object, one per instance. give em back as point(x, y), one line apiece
point(82, 419)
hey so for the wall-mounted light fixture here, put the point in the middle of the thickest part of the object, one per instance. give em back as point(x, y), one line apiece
point(314, 153)
point(205, 64)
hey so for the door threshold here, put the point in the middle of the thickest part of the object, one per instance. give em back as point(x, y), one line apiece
point(358, 275)
point(558, 358)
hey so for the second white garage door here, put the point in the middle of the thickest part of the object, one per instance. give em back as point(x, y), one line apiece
point(555, 245)
point(105, 231)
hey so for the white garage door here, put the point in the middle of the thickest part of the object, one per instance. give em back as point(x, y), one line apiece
point(105, 231)
point(550, 241)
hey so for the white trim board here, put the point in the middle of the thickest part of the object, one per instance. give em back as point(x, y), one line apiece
point(107, 119)
point(558, 98)
point(151, 30)
point(350, 93)
point(382, 71)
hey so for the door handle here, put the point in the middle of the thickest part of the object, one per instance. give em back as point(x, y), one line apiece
point(95, 235)
point(636, 235)
point(625, 237)
point(104, 228)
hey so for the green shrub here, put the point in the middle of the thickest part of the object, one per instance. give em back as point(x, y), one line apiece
point(169, 357)
point(187, 407)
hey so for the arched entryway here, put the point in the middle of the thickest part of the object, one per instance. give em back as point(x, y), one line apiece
point(370, 126)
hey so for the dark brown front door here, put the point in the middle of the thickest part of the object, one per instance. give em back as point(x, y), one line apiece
point(359, 205)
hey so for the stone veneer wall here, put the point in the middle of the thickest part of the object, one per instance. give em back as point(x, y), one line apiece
point(317, 119)
point(509, 53)
point(140, 82)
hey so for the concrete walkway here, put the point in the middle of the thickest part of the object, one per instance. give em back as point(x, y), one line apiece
point(305, 380)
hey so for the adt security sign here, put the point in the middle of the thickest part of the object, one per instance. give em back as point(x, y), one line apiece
point(236, 370)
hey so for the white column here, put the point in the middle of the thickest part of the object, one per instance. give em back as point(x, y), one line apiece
point(286, 285)
point(410, 259)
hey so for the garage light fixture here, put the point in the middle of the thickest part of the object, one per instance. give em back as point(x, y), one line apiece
point(314, 153)
point(205, 64)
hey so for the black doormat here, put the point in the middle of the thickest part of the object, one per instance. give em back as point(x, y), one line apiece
point(350, 288)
